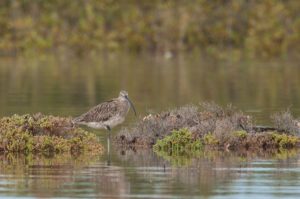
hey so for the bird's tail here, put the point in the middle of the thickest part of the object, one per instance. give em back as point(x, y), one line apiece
point(76, 120)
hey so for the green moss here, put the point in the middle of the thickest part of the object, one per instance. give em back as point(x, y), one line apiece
point(209, 139)
point(284, 140)
point(181, 140)
point(46, 134)
point(241, 134)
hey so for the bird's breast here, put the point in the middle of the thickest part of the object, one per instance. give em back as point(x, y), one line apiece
point(114, 121)
point(124, 108)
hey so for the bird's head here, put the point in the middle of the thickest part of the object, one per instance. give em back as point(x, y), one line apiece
point(125, 95)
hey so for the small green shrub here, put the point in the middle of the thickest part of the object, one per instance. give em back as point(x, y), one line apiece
point(284, 140)
point(180, 140)
point(209, 139)
point(241, 134)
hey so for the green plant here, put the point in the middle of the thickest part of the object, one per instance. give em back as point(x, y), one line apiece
point(284, 140)
point(179, 140)
point(241, 134)
point(209, 139)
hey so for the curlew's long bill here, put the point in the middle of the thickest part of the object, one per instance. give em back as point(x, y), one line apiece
point(107, 114)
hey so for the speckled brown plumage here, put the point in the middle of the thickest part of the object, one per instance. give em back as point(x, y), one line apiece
point(100, 113)
point(107, 114)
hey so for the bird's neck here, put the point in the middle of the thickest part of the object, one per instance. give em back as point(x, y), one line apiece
point(122, 98)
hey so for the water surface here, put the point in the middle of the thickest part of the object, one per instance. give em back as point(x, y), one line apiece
point(65, 85)
point(143, 174)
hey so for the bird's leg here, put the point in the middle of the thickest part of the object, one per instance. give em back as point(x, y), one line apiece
point(108, 145)
point(108, 128)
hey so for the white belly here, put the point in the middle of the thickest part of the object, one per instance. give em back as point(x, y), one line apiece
point(112, 122)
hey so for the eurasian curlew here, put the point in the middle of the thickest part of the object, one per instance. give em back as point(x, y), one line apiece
point(107, 114)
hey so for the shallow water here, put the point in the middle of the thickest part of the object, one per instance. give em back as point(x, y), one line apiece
point(143, 174)
point(65, 85)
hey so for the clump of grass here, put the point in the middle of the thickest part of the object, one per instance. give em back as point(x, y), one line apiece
point(285, 122)
point(241, 134)
point(285, 141)
point(180, 140)
point(47, 134)
point(209, 139)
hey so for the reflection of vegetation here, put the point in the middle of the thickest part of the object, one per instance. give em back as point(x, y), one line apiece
point(185, 159)
point(264, 28)
point(51, 159)
point(182, 159)
point(40, 133)
point(285, 153)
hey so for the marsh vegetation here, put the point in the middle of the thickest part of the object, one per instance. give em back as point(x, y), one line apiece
point(39, 133)
point(252, 28)
point(190, 127)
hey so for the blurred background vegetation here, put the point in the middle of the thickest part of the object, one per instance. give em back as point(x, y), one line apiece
point(266, 28)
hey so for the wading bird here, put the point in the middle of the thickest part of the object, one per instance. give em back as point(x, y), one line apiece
point(107, 114)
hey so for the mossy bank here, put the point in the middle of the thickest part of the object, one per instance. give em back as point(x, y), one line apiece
point(45, 134)
point(210, 126)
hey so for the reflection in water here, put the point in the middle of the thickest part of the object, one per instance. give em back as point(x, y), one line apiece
point(63, 85)
point(205, 174)
point(187, 159)
point(144, 174)
point(59, 175)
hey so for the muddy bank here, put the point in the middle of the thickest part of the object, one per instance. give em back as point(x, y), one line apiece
point(216, 127)
point(45, 134)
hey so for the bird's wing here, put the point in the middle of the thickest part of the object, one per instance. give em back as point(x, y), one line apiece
point(100, 113)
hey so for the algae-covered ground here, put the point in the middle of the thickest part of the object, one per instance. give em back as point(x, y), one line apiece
point(209, 126)
point(45, 134)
